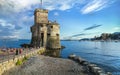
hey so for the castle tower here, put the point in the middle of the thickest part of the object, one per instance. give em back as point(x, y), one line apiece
point(45, 33)
point(53, 39)
point(39, 29)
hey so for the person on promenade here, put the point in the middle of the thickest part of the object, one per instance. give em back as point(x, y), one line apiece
point(17, 52)
point(20, 51)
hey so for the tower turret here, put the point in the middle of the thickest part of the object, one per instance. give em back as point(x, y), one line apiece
point(39, 29)
point(41, 16)
point(53, 36)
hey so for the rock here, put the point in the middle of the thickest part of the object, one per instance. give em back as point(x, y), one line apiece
point(76, 58)
point(86, 63)
point(95, 69)
point(72, 56)
point(81, 61)
point(100, 73)
point(108, 73)
point(90, 66)
point(62, 47)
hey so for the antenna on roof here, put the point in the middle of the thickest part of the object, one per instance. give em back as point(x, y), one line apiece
point(41, 3)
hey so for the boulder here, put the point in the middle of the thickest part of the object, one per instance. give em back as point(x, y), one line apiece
point(72, 56)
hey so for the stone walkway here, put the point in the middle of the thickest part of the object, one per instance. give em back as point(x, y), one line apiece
point(44, 65)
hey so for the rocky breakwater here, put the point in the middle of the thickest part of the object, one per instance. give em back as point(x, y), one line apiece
point(88, 67)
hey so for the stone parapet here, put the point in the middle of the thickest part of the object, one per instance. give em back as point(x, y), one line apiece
point(7, 64)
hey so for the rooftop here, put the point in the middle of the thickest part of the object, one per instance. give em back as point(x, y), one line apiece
point(41, 10)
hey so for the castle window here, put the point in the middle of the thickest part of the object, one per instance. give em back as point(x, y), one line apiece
point(57, 34)
point(48, 34)
point(51, 26)
point(41, 25)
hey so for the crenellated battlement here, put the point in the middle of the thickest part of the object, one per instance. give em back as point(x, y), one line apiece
point(41, 10)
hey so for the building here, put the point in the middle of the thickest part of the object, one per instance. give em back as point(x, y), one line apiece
point(105, 36)
point(44, 32)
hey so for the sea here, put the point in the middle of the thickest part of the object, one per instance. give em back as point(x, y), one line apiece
point(105, 54)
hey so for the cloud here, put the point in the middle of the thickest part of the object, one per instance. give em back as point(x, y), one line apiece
point(96, 5)
point(84, 34)
point(56, 14)
point(116, 28)
point(92, 27)
point(16, 6)
point(58, 4)
point(8, 30)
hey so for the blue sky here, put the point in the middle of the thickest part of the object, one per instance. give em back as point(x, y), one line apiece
point(77, 18)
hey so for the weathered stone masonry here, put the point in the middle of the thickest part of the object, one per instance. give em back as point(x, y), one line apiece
point(45, 33)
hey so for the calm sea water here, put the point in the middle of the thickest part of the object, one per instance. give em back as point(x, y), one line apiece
point(104, 54)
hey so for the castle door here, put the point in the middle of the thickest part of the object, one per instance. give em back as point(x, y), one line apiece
point(42, 39)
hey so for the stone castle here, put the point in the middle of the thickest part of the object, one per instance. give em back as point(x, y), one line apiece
point(44, 32)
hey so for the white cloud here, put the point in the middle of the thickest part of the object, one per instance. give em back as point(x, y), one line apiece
point(8, 30)
point(95, 5)
point(56, 14)
point(116, 28)
point(4, 24)
point(15, 6)
point(22, 5)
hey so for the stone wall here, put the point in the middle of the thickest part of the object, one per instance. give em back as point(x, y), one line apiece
point(11, 62)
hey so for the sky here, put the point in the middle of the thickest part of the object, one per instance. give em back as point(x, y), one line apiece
point(77, 18)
